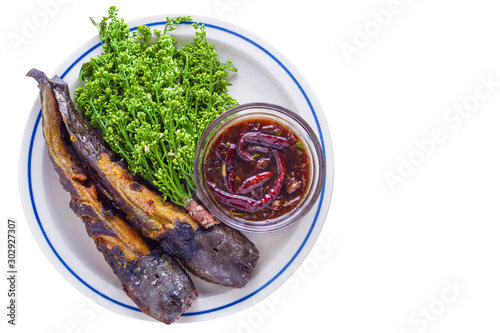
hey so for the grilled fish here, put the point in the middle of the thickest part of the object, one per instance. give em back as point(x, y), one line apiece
point(218, 254)
point(152, 279)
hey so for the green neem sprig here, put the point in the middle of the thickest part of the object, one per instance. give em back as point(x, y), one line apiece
point(152, 101)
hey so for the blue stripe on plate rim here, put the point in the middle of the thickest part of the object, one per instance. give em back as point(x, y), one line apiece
point(261, 48)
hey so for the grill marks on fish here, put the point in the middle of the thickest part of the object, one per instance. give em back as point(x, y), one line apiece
point(165, 291)
point(178, 233)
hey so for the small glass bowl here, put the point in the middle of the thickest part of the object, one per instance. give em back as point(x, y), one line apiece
point(290, 120)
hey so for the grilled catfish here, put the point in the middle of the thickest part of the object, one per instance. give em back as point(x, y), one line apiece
point(217, 254)
point(152, 279)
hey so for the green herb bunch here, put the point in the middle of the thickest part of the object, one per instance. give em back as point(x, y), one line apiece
point(152, 101)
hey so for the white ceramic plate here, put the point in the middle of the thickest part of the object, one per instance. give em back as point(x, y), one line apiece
point(263, 76)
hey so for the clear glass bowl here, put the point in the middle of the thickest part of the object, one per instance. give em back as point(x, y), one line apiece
point(290, 120)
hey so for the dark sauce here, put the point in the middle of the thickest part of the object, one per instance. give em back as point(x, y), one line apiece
point(269, 185)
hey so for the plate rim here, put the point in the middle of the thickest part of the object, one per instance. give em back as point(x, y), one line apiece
point(32, 127)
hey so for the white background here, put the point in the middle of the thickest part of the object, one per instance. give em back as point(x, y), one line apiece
point(418, 256)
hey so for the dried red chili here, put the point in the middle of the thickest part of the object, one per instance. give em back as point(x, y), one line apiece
point(255, 187)
point(248, 204)
point(255, 181)
point(266, 140)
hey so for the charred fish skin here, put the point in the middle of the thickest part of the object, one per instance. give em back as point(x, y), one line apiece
point(178, 233)
point(64, 163)
point(167, 291)
point(156, 285)
point(200, 252)
point(154, 281)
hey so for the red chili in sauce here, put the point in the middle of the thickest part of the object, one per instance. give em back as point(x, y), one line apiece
point(257, 169)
